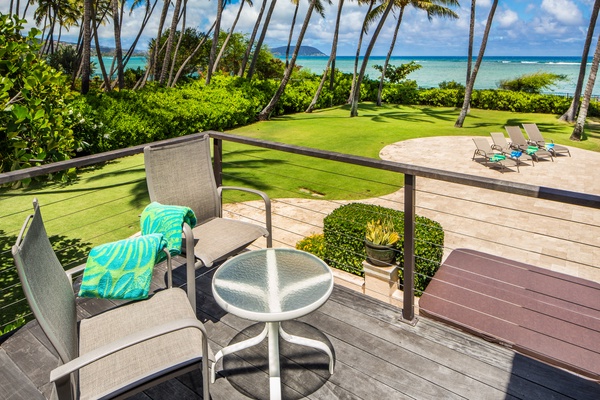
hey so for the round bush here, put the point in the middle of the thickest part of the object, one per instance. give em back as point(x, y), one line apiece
point(344, 232)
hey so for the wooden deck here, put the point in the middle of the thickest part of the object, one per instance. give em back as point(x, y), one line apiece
point(377, 357)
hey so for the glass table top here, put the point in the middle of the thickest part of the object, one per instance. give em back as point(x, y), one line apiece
point(272, 284)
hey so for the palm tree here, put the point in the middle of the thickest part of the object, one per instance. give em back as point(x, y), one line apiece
point(471, 36)
point(87, 44)
point(358, 46)
point(266, 112)
point(578, 130)
point(432, 7)
point(169, 45)
point(296, 4)
point(151, 69)
point(252, 37)
point(226, 41)
point(569, 116)
point(118, 47)
point(261, 38)
point(469, 88)
point(332, 55)
point(213, 48)
point(363, 68)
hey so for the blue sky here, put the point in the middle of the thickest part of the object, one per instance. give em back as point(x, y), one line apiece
point(520, 28)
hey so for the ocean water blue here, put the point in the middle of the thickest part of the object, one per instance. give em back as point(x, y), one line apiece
point(436, 69)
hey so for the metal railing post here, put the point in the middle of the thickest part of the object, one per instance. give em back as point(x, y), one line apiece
point(408, 307)
point(218, 160)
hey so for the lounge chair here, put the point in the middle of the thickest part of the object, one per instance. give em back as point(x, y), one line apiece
point(119, 352)
point(501, 145)
point(182, 174)
point(518, 141)
point(535, 137)
point(490, 157)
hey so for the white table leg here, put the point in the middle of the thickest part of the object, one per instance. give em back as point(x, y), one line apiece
point(236, 347)
point(309, 343)
point(274, 370)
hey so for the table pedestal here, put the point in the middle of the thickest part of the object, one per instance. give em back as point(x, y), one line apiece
point(273, 331)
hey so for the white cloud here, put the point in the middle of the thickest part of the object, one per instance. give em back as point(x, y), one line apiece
point(565, 11)
point(507, 18)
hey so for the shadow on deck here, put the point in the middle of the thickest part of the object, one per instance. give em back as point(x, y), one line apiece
point(377, 357)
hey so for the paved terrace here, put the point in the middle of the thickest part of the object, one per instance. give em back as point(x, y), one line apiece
point(530, 230)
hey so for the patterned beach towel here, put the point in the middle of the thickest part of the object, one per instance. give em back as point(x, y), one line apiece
point(166, 219)
point(122, 269)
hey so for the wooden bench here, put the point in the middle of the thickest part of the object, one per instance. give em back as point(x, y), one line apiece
point(547, 315)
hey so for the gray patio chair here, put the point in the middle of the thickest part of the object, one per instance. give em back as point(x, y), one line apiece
point(116, 353)
point(518, 141)
point(491, 157)
point(535, 137)
point(182, 174)
point(500, 144)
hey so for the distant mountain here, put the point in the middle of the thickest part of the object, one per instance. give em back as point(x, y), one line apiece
point(304, 51)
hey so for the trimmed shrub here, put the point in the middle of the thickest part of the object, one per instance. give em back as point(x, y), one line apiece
point(344, 232)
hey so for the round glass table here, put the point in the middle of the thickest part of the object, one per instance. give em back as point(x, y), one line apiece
point(272, 285)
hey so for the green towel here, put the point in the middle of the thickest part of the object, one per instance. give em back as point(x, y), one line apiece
point(166, 219)
point(531, 149)
point(123, 269)
point(497, 157)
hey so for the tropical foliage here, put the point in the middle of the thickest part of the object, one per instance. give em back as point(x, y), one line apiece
point(35, 121)
point(531, 83)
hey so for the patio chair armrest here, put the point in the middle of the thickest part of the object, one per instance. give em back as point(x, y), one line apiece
point(496, 147)
point(267, 201)
point(74, 271)
point(127, 341)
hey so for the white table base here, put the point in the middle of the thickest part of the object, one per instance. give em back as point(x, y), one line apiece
point(272, 330)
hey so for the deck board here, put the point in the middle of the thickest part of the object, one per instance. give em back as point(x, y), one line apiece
point(377, 357)
point(550, 316)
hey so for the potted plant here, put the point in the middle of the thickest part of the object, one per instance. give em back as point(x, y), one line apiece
point(380, 242)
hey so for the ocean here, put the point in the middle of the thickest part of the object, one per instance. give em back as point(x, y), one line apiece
point(436, 69)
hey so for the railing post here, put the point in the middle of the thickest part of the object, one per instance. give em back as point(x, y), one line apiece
point(408, 307)
point(218, 160)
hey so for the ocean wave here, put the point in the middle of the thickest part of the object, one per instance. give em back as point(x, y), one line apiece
point(529, 62)
point(563, 63)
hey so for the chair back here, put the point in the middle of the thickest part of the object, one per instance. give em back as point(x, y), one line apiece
point(482, 144)
point(534, 133)
point(516, 135)
point(182, 174)
point(499, 140)
point(46, 286)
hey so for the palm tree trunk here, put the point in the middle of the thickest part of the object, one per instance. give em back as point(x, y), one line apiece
point(389, 55)
point(578, 130)
point(87, 44)
point(363, 68)
point(151, 70)
point(226, 41)
point(469, 88)
point(215, 42)
point(261, 39)
point(178, 45)
point(331, 60)
point(196, 50)
point(252, 37)
point(266, 112)
point(105, 76)
point(471, 37)
point(287, 49)
point(118, 48)
point(358, 46)
point(131, 49)
point(169, 48)
point(569, 116)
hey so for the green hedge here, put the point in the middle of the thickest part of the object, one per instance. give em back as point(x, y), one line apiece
point(344, 232)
